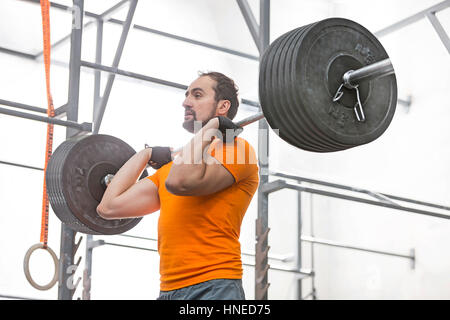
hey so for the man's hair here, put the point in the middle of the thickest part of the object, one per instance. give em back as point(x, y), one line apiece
point(225, 89)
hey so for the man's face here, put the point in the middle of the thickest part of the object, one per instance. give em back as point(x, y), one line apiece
point(200, 104)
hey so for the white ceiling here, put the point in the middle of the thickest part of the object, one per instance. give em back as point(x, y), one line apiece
point(21, 26)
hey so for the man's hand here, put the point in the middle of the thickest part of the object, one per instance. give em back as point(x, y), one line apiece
point(160, 156)
point(228, 129)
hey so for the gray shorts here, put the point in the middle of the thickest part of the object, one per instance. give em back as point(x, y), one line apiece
point(217, 289)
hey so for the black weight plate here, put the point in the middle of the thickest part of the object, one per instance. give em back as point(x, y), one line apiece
point(52, 181)
point(299, 124)
point(264, 75)
point(296, 108)
point(322, 44)
point(73, 182)
point(287, 124)
point(54, 188)
point(273, 109)
point(270, 105)
point(265, 87)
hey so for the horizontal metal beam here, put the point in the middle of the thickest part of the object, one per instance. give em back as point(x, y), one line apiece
point(127, 246)
point(20, 165)
point(22, 106)
point(8, 296)
point(158, 32)
point(414, 18)
point(65, 8)
point(283, 258)
point(366, 201)
point(188, 40)
point(302, 272)
point(349, 188)
point(143, 77)
point(84, 127)
point(60, 111)
point(108, 13)
point(406, 102)
point(346, 246)
point(17, 53)
point(130, 74)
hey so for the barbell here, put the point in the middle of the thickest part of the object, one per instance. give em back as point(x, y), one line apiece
point(327, 86)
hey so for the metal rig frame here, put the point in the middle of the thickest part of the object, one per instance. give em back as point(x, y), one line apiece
point(260, 35)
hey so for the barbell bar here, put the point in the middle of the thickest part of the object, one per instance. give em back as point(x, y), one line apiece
point(299, 75)
point(350, 79)
point(372, 71)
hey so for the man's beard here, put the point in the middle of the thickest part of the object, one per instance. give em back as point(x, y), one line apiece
point(193, 126)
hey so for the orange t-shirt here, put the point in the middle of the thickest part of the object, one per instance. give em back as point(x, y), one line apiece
point(198, 236)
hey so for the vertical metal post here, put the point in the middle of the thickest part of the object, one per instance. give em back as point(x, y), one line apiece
point(98, 59)
point(86, 295)
point(87, 269)
point(67, 246)
point(299, 243)
point(262, 223)
point(313, 275)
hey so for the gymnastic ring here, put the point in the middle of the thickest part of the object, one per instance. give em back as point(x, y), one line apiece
point(26, 266)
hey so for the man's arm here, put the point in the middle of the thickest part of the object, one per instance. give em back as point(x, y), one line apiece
point(194, 173)
point(124, 198)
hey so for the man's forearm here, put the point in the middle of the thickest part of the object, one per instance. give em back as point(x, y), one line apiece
point(127, 175)
point(190, 165)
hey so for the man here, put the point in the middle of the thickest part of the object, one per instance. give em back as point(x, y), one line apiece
point(202, 196)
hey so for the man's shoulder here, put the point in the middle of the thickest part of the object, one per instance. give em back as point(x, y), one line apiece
point(240, 152)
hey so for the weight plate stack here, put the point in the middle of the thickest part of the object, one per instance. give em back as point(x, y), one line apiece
point(301, 71)
point(74, 187)
point(329, 49)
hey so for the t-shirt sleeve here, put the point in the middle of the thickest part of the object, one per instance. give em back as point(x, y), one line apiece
point(239, 158)
point(155, 178)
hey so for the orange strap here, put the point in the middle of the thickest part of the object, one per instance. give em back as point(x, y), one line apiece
point(45, 8)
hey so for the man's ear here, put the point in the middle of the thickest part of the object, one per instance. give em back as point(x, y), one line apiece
point(222, 107)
